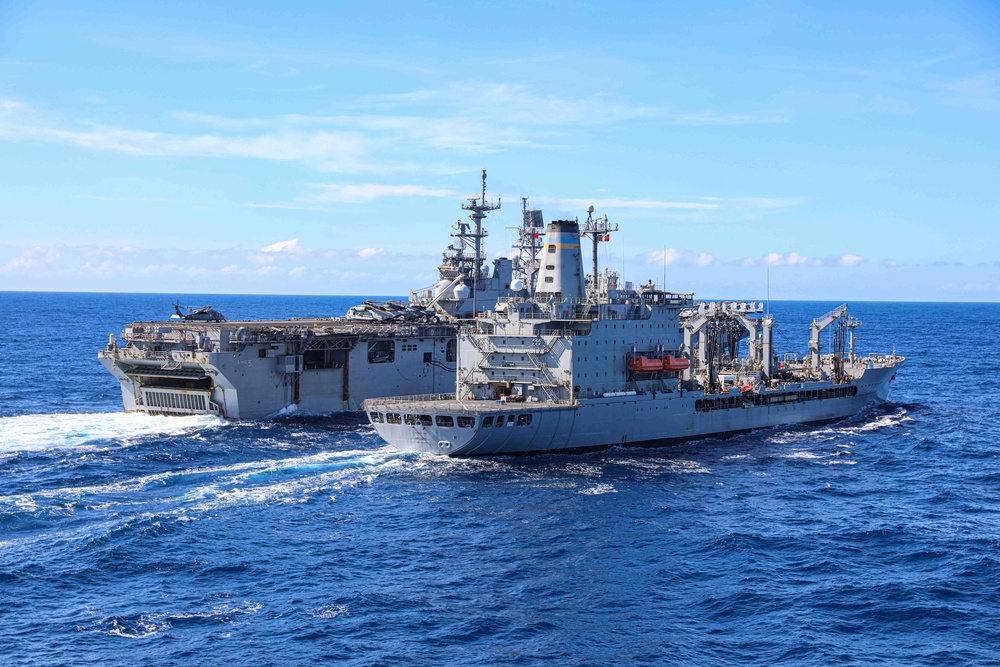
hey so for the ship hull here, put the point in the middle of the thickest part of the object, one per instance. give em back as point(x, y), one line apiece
point(640, 420)
point(254, 379)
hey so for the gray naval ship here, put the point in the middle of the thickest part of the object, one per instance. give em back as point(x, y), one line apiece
point(199, 363)
point(570, 368)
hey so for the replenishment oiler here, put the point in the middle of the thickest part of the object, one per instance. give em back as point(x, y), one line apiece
point(569, 368)
point(199, 363)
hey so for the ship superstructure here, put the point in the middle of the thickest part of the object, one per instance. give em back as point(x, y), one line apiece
point(200, 363)
point(572, 368)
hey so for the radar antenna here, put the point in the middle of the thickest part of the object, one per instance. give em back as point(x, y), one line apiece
point(528, 243)
point(597, 230)
point(478, 207)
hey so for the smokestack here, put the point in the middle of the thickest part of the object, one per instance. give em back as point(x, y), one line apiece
point(561, 274)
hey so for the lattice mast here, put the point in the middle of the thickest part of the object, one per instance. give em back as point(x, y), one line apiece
point(478, 207)
point(528, 243)
point(598, 230)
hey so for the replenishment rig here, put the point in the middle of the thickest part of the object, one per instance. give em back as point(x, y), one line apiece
point(587, 364)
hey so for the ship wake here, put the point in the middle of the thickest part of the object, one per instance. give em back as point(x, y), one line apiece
point(99, 430)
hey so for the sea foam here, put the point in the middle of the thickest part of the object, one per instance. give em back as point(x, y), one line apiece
point(71, 431)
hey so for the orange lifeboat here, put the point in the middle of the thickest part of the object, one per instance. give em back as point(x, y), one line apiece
point(675, 364)
point(644, 365)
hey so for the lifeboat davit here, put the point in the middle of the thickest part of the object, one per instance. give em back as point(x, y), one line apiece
point(675, 364)
point(644, 365)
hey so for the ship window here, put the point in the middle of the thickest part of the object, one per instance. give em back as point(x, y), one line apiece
point(376, 417)
point(451, 350)
point(392, 418)
point(523, 420)
point(262, 352)
point(487, 421)
point(552, 248)
point(510, 420)
point(499, 421)
point(381, 351)
point(549, 279)
point(550, 267)
point(466, 422)
point(414, 420)
point(428, 357)
point(445, 420)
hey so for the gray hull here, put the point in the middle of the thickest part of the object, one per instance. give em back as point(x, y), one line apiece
point(645, 419)
point(256, 369)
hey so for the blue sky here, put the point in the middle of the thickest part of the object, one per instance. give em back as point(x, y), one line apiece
point(852, 152)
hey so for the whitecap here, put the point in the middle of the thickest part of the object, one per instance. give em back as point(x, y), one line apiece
point(72, 431)
point(599, 490)
point(331, 612)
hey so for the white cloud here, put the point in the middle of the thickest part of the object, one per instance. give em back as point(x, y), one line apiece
point(791, 259)
point(290, 246)
point(889, 263)
point(232, 268)
point(298, 272)
point(370, 191)
point(666, 256)
point(30, 258)
point(472, 117)
point(368, 253)
point(704, 259)
point(582, 204)
point(850, 259)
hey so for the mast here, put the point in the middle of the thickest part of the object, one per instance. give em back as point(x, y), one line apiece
point(528, 243)
point(597, 230)
point(478, 207)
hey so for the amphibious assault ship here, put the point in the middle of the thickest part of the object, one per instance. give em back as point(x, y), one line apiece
point(570, 368)
point(199, 363)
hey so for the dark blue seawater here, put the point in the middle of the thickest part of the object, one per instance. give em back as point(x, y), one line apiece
point(128, 539)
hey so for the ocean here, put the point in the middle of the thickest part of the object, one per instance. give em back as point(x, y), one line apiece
point(128, 539)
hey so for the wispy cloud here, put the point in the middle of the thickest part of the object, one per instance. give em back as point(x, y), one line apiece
point(29, 259)
point(332, 150)
point(980, 91)
point(368, 253)
point(624, 203)
point(462, 118)
point(665, 256)
point(791, 259)
point(290, 246)
point(366, 192)
point(704, 259)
